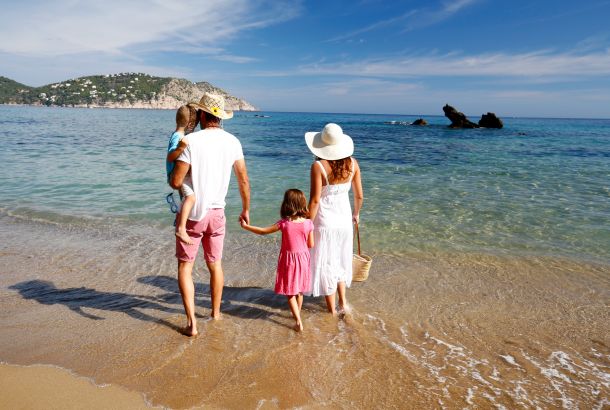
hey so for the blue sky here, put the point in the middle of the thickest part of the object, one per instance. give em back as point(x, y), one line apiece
point(515, 58)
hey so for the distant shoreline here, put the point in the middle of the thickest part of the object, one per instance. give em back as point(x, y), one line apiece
point(111, 107)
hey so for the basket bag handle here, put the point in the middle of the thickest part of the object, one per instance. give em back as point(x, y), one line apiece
point(357, 231)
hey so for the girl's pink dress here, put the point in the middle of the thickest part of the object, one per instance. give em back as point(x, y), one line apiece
point(293, 274)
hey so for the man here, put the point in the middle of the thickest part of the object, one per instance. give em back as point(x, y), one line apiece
point(210, 155)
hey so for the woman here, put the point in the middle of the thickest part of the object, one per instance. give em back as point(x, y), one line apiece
point(332, 176)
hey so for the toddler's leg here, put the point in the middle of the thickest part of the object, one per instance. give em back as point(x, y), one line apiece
point(294, 308)
point(187, 205)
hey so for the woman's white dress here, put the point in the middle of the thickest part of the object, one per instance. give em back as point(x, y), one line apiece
point(331, 256)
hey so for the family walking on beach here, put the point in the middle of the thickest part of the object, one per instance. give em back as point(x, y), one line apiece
point(199, 165)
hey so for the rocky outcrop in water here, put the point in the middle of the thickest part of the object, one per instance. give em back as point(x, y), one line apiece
point(490, 120)
point(458, 119)
point(420, 122)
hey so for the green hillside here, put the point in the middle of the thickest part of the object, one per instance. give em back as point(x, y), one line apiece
point(12, 90)
point(97, 89)
point(123, 90)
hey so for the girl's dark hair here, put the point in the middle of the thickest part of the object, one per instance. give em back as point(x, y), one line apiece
point(339, 169)
point(294, 204)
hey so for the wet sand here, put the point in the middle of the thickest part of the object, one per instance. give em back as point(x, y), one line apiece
point(45, 387)
point(426, 331)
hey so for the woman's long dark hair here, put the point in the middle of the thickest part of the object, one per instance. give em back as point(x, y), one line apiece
point(339, 168)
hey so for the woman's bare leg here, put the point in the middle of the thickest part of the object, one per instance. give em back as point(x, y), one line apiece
point(330, 303)
point(342, 297)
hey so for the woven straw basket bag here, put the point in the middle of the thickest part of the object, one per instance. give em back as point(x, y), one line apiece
point(361, 264)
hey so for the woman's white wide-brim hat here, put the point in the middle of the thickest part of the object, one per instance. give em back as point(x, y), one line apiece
point(214, 104)
point(331, 143)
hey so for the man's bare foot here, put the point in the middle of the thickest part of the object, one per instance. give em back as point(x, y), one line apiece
point(184, 237)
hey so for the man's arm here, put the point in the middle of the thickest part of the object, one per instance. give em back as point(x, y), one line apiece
point(241, 172)
point(180, 170)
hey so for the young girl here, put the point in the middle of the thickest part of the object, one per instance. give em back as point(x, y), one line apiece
point(186, 121)
point(292, 276)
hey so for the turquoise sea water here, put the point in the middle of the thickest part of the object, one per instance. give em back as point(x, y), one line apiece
point(536, 187)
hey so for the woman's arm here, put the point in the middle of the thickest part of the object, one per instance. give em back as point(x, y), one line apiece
point(315, 190)
point(358, 193)
point(258, 230)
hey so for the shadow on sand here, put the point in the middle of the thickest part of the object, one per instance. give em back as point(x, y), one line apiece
point(76, 299)
point(246, 302)
point(243, 302)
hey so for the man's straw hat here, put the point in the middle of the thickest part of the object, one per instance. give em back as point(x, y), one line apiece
point(214, 104)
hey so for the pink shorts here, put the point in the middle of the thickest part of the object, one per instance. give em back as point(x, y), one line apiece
point(210, 232)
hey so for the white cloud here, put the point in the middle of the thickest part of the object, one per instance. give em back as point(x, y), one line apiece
point(534, 64)
point(412, 19)
point(118, 27)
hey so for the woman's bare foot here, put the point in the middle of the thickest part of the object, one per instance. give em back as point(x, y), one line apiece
point(216, 316)
point(345, 309)
point(190, 331)
point(184, 237)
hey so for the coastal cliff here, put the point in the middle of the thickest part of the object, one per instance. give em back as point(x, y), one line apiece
point(123, 90)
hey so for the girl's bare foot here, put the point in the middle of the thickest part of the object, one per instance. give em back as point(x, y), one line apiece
point(184, 237)
point(216, 316)
point(298, 327)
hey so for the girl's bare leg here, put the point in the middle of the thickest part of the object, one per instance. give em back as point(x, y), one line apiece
point(300, 301)
point(330, 303)
point(294, 308)
point(182, 217)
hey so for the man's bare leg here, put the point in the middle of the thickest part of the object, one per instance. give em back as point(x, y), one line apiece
point(217, 282)
point(187, 291)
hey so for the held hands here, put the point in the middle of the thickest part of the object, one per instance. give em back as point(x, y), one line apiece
point(244, 218)
point(356, 218)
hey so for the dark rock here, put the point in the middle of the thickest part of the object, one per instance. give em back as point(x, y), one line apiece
point(490, 120)
point(458, 119)
point(420, 121)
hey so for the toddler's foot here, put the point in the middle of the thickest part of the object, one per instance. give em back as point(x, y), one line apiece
point(184, 237)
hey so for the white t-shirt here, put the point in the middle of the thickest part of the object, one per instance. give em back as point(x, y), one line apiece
point(211, 153)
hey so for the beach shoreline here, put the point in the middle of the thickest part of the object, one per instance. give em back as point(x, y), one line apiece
point(447, 332)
